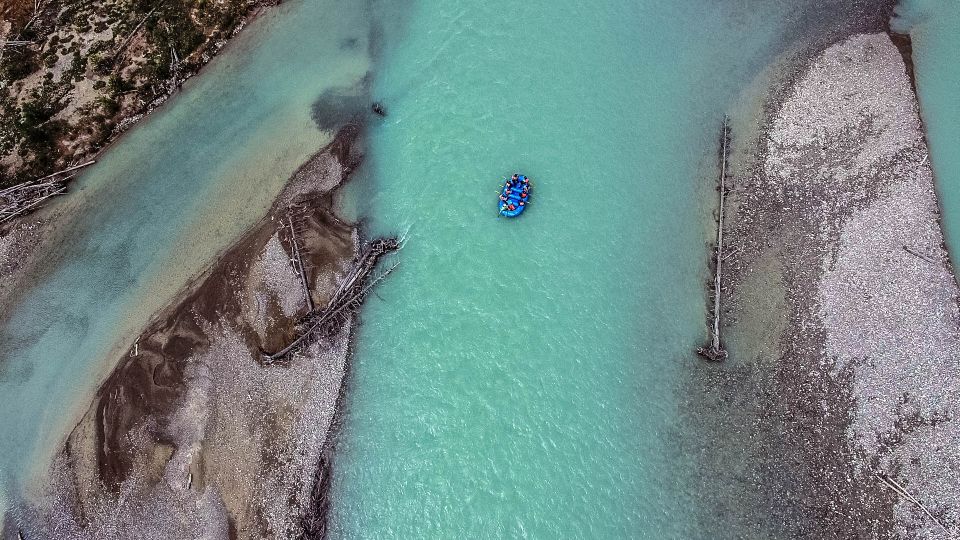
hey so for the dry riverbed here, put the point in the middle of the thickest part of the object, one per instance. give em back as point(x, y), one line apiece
point(843, 318)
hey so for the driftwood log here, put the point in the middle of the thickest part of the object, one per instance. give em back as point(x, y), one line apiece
point(355, 286)
point(297, 261)
point(22, 198)
point(715, 351)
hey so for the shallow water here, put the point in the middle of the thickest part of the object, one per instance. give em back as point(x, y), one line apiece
point(518, 377)
point(934, 27)
point(158, 207)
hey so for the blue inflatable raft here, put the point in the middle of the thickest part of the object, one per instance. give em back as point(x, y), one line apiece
point(515, 195)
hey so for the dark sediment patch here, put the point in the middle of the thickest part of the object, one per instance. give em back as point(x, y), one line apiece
point(905, 45)
point(343, 106)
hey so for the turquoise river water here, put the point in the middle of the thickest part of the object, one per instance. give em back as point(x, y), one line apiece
point(514, 378)
point(519, 377)
point(934, 27)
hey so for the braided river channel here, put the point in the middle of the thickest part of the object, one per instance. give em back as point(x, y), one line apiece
point(512, 378)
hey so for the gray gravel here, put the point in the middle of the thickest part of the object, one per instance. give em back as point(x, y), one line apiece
point(868, 366)
point(891, 315)
point(280, 277)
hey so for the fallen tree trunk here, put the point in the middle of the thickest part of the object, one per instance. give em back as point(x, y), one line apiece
point(20, 199)
point(715, 351)
point(68, 169)
point(298, 264)
point(352, 290)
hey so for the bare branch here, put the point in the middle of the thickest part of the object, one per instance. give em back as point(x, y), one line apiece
point(899, 490)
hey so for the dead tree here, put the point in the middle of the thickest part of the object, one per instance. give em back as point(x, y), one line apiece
point(16, 41)
point(132, 34)
point(297, 263)
point(345, 300)
point(715, 351)
point(22, 198)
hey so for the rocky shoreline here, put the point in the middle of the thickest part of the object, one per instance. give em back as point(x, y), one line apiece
point(191, 435)
point(842, 313)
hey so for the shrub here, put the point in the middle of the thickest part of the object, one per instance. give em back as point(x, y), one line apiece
point(37, 131)
point(117, 85)
point(18, 63)
point(109, 106)
point(102, 64)
point(50, 60)
point(77, 67)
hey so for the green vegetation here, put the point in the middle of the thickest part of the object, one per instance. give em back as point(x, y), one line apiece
point(18, 63)
point(34, 132)
point(127, 47)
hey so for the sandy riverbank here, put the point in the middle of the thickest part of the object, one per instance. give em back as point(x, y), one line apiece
point(191, 435)
point(843, 316)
